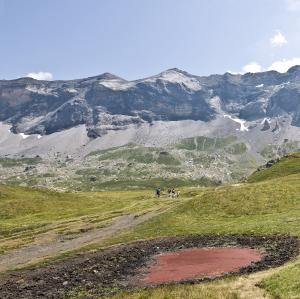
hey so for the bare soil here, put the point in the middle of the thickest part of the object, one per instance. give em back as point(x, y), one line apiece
point(104, 272)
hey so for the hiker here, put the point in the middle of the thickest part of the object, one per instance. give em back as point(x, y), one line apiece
point(173, 193)
point(157, 192)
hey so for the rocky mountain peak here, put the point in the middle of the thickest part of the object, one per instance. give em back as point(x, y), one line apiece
point(45, 107)
point(108, 76)
point(294, 70)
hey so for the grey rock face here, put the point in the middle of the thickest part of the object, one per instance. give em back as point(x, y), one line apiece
point(266, 125)
point(107, 102)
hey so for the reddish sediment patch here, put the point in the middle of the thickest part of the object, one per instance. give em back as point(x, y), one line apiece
point(196, 263)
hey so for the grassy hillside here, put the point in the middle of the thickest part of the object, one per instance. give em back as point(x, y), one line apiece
point(26, 214)
point(285, 283)
point(202, 143)
point(263, 208)
point(290, 164)
point(268, 204)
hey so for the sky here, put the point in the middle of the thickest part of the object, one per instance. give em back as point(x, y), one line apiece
point(68, 39)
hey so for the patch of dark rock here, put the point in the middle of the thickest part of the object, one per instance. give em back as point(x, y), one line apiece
point(93, 178)
point(266, 126)
point(28, 168)
point(276, 128)
point(102, 273)
point(164, 153)
point(268, 164)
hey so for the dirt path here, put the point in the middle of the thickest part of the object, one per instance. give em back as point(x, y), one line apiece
point(34, 252)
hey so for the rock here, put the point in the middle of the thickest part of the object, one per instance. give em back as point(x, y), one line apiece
point(266, 125)
point(276, 128)
point(104, 103)
point(93, 178)
point(28, 168)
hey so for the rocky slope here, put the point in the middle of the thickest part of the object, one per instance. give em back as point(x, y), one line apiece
point(63, 121)
point(107, 102)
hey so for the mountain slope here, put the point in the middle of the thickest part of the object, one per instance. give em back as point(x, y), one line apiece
point(102, 102)
point(186, 116)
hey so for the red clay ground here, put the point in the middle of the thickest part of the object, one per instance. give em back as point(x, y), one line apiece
point(196, 263)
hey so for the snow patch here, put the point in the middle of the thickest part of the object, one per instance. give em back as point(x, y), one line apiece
point(116, 84)
point(174, 76)
point(71, 90)
point(242, 122)
point(24, 136)
point(280, 86)
point(40, 90)
point(266, 119)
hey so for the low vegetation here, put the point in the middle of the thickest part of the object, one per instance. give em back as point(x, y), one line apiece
point(197, 161)
point(202, 143)
point(285, 283)
point(268, 204)
point(27, 214)
point(271, 206)
point(12, 162)
point(289, 164)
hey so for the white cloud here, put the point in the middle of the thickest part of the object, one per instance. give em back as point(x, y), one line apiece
point(278, 40)
point(252, 67)
point(280, 66)
point(293, 5)
point(283, 65)
point(40, 76)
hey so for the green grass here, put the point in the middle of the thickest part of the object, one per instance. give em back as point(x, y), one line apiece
point(236, 149)
point(285, 283)
point(202, 143)
point(288, 165)
point(11, 162)
point(143, 184)
point(139, 154)
point(25, 213)
point(263, 208)
point(166, 158)
point(100, 152)
point(214, 290)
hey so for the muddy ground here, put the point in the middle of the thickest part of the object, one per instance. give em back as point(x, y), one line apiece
point(190, 263)
point(105, 272)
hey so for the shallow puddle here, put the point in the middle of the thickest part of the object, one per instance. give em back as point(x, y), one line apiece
point(196, 263)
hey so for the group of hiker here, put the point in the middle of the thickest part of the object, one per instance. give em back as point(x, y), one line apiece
point(171, 192)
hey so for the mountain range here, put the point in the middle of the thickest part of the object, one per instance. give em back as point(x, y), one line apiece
point(173, 111)
point(108, 102)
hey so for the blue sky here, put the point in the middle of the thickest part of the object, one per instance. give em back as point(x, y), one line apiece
point(66, 39)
